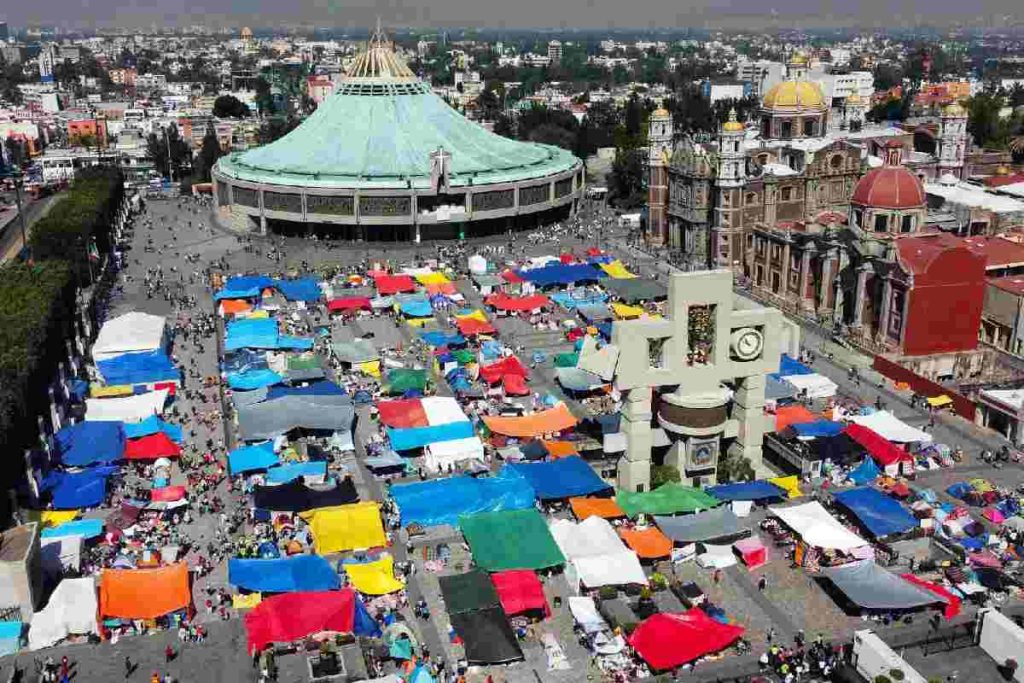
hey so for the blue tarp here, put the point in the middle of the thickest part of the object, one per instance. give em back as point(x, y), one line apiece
point(491, 350)
point(88, 443)
point(960, 490)
point(386, 461)
point(79, 389)
point(818, 428)
point(437, 338)
point(322, 388)
point(144, 367)
point(286, 472)
point(253, 379)
point(243, 287)
point(881, 515)
point(747, 490)
point(415, 305)
point(418, 437)
point(790, 366)
point(74, 490)
point(152, 425)
point(865, 473)
point(441, 501)
point(256, 333)
point(570, 300)
point(561, 274)
point(301, 289)
point(251, 458)
point(283, 575)
point(243, 360)
point(86, 528)
point(605, 330)
point(556, 479)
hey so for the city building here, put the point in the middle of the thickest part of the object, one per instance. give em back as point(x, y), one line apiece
point(555, 51)
point(386, 158)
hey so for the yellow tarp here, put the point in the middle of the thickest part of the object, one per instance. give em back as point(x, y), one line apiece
point(371, 368)
point(374, 578)
point(50, 518)
point(432, 279)
point(246, 601)
point(475, 315)
point(112, 391)
point(255, 315)
point(790, 484)
point(939, 401)
point(625, 312)
point(346, 527)
point(418, 322)
point(617, 271)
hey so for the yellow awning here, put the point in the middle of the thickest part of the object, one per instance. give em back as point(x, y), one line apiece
point(97, 391)
point(617, 271)
point(939, 401)
point(374, 578)
point(346, 527)
point(625, 312)
point(418, 322)
point(247, 601)
point(790, 484)
point(432, 279)
point(55, 517)
point(475, 315)
point(371, 368)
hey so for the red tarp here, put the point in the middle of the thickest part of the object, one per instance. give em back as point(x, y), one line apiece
point(514, 385)
point(167, 494)
point(520, 591)
point(881, 449)
point(469, 327)
point(292, 616)
point(505, 302)
point(594, 252)
point(151, 447)
point(394, 284)
point(509, 365)
point(349, 303)
point(953, 602)
point(567, 258)
point(666, 641)
point(512, 277)
point(403, 413)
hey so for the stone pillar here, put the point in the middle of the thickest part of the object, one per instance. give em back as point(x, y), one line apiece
point(882, 333)
point(748, 411)
point(634, 472)
point(826, 285)
point(858, 302)
point(263, 223)
point(787, 254)
point(805, 278)
point(416, 227)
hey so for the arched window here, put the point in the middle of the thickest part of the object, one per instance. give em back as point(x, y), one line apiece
point(881, 222)
point(809, 128)
point(787, 194)
point(751, 199)
point(836, 162)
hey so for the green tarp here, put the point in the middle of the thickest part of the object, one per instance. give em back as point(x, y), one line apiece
point(468, 592)
point(566, 360)
point(513, 539)
point(401, 380)
point(667, 499)
point(464, 356)
point(303, 363)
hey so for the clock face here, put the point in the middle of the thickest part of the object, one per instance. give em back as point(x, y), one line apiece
point(746, 343)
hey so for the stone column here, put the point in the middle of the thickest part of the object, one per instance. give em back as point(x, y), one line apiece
point(826, 284)
point(416, 226)
point(787, 252)
point(858, 302)
point(805, 277)
point(634, 471)
point(748, 411)
point(882, 333)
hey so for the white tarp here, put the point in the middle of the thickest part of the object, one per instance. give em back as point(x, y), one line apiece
point(130, 332)
point(444, 453)
point(596, 554)
point(71, 611)
point(442, 410)
point(125, 408)
point(741, 508)
point(584, 611)
point(716, 556)
point(477, 264)
point(890, 427)
point(614, 443)
point(601, 361)
point(816, 386)
point(817, 527)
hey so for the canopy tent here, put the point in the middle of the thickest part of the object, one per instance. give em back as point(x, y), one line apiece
point(86, 528)
point(349, 303)
point(509, 365)
point(818, 428)
point(90, 443)
point(374, 578)
point(393, 284)
point(577, 379)
point(471, 327)
point(839, 449)
point(152, 447)
point(414, 305)
point(882, 450)
point(126, 408)
point(711, 525)
point(253, 379)
point(869, 586)
point(617, 270)
point(747, 490)
point(355, 351)
point(144, 593)
point(504, 302)
point(878, 513)
point(152, 425)
point(558, 479)
point(865, 473)
point(355, 526)
point(133, 331)
point(77, 490)
point(716, 556)
point(487, 637)
point(71, 610)
point(584, 611)
point(167, 494)
point(294, 616)
point(444, 454)
point(752, 551)
point(790, 484)
point(953, 603)
point(511, 539)
point(596, 554)
point(401, 380)
point(244, 287)
point(890, 427)
point(291, 471)
point(817, 527)
point(300, 289)
point(138, 367)
point(649, 543)
point(576, 298)
point(790, 367)
point(786, 416)
point(601, 507)
point(418, 437)
point(561, 274)
point(468, 592)
point(520, 591)
point(295, 496)
point(636, 289)
point(666, 641)
point(537, 424)
point(775, 389)
point(437, 338)
point(280, 414)
point(443, 501)
point(252, 458)
point(813, 385)
point(667, 499)
point(232, 307)
point(515, 385)
point(283, 575)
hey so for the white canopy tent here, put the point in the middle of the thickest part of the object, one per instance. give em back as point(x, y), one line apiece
point(71, 611)
point(816, 386)
point(443, 453)
point(716, 556)
point(817, 527)
point(584, 611)
point(890, 427)
point(442, 410)
point(595, 554)
point(126, 408)
point(130, 332)
point(477, 264)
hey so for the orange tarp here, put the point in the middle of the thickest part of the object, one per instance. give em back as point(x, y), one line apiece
point(144, 593)
point(647, 543)
point(235, 306)
point(561, 449)
point(589, 507)
point(792, 415)
point(545, 422)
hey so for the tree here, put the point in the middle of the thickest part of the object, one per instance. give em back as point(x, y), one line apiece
point(664, 474)
point(167, 150)
point(276, 128)
point(16, 152)
point(264, 100)
point(732, 467)
point(626, 184)
point(209, 153)
point(230, 107)
point(983, 122)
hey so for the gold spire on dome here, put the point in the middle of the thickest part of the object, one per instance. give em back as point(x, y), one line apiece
point(732, 125)
point(379, 61)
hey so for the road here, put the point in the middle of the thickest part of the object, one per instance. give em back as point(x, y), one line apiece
point(10, 224)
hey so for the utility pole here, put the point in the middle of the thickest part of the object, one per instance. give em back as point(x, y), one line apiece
point(170, 166)
point(19, 181)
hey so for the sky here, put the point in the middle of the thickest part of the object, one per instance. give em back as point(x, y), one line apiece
point(514, 13)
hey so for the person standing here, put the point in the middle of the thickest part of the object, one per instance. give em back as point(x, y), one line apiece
point(762, 583)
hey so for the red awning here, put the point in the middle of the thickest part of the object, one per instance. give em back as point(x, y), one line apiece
point(470, 327)
point(167, 494)
point(349, 303)
point(292, 616)
point(666, 641)
point(511, 276)
point(567, 258)
point(520, 591)
point(402, 413)
point(514, 385)
point(952, 602)
point(594, 252)
point(509, 365)
point(505, 302)
point(881, 449)
point(151, 447)
point(394, 284)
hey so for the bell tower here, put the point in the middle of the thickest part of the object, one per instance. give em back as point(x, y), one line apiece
point(952, 143)
point(659, 136)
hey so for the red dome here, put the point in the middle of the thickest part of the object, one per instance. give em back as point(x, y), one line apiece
point(889, 187)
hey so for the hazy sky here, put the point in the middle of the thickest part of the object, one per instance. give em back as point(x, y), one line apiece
point(515, 13)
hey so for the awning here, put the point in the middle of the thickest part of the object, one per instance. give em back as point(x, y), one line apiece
point(513, 539)
point(666, 641)
point(939, 401)
point(297, 497)
point(286, 618)
point(71, 610)
point(584, 611)
point(252, 458)
point(815, 385)
point(790, 415)
point(711, 525)
point(878, 513)
point(283, 575)
point(504, 302)
point(126, 408)
point(468, 592)
point(89, 443)
point(636, 289)
point(667, 499)
point(537, 424)
point(356, 526)
point(648, 543)
point(487, 637)
point(290, 471)
point(882, 450)
point(144, 593)
point(138, 367)
point(817, 527)
point(355, 351)
point(151, 447)
point(890, 427)
point(558, 479)
point(520, 591)
point(869, 586)
point(393, 284)
point(374, 578)
point(577, 379)
point(600, 507)
point(953, 603)
point(443, 501)
point(596, 553)
point(747, 490)
point(133, 331)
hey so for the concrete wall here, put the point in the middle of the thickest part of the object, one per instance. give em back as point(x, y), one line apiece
point(1002, 639)
point(872, 657)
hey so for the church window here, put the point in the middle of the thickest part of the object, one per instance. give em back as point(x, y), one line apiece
point(751, 198)
point(836, 161)
point(809, 128)
point(787, 130)
point(907, 224)
point(787, 194)
point(882, 222)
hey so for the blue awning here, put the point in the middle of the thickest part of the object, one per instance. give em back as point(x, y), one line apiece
point(556, 479)
point(561, 274)
point(253, 379)
point(865, 473)
point(86, 528)
point(747, 490)
point(152, 425)
point(436, 338)
point(442, 501)
point(286, 472)
point(75, 490)
point(790, 366)
point(818, 428)
point(878, 513)
point(144, 367)
point(323, 388)
point(89, 443)
point(244, 287)
point(300, 289)
point(284, 575)
point(418, 437)
point(252, 458)
point(415, 305)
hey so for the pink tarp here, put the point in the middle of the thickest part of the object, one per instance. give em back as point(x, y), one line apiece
point(752, 552)
point(167, 494)
point(505, 302)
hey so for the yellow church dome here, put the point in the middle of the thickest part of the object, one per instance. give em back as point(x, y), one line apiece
point(733, 125)
point(954, 109)
point(799, 57)
point(798, 95)
point(854, 98)
point(660, 113)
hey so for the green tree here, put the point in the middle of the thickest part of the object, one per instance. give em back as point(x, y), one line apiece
point(732, 467)
point(983, 120)
point(626, 181)
point(275, 128)
point(664, 474)
point(168, 151)
point(209, 153)
point(264, 100)
point(230, 107)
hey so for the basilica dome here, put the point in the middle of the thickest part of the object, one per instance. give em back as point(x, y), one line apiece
point(794, 96)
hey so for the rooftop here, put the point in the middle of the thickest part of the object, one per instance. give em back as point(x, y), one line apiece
point(1014, 284)
point(968, 194)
